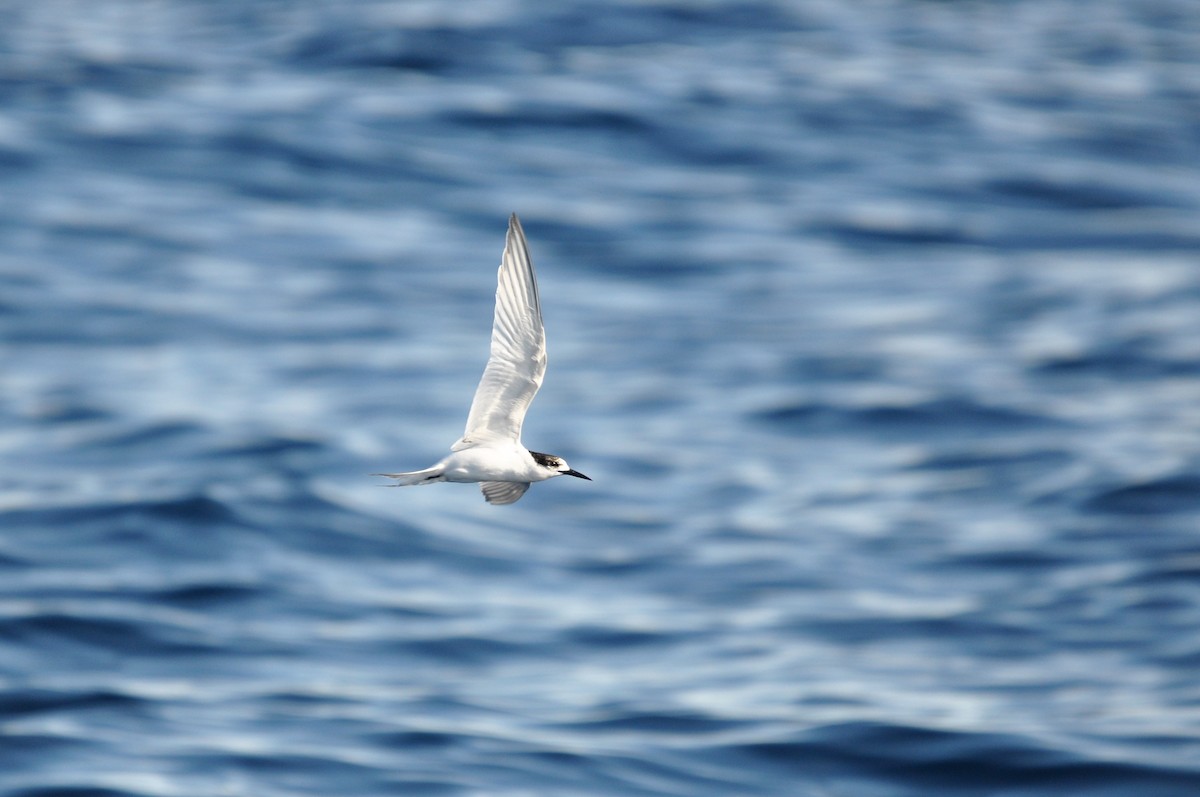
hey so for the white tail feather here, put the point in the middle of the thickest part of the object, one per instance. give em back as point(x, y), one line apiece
point(427, 476)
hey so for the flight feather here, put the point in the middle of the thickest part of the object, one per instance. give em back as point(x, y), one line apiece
point(517, 361)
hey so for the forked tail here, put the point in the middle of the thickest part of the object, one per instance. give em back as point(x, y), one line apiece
point(427, 476)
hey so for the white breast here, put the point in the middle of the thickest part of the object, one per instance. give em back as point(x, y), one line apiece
point(500, 463)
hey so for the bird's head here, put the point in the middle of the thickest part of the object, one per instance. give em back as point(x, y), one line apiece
point(557, 466)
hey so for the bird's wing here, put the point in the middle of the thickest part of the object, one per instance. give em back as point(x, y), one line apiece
point(503, 492)
point(518, 356)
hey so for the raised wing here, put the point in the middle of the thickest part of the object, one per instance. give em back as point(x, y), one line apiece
point(503, 492)
point(518, 356)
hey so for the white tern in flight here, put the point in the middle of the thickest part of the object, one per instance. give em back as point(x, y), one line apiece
point(490, 451)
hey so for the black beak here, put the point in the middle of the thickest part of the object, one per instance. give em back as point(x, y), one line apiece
point(576, 474)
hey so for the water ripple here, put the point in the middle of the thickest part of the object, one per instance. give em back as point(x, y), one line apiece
point(878, 334)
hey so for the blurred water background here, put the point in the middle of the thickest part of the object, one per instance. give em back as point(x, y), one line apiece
point(877, 325)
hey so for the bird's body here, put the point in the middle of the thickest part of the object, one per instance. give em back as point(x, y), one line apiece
point(490, 450)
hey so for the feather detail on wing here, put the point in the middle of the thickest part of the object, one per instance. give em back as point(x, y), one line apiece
point(503, 492)
point(518, 353)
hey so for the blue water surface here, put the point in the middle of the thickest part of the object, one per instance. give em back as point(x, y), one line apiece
point(876, 324)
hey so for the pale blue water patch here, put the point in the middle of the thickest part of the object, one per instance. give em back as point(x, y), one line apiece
point(877, 328)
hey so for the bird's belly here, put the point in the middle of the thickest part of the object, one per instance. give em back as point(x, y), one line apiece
point(489, 464)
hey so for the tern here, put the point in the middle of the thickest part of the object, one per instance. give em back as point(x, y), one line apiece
point(490, 451)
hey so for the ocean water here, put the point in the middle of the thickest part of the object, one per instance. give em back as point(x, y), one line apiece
point(877, 326)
